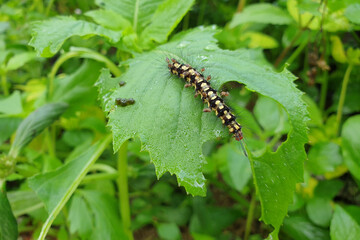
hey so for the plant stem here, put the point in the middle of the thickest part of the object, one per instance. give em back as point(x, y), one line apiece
point(324, 88)
point(296, 53)
point(342, 96)
point(50, 142)
point(84, 53)
point(123, 189)
point(250, 216)
point(4, 84)
point(287, 49)
point(241, 6)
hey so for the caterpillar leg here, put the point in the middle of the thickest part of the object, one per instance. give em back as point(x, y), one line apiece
point(208, 78)
point(224, 94)
point(206, 110)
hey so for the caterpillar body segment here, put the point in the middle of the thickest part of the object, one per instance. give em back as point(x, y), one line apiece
point(208, 94)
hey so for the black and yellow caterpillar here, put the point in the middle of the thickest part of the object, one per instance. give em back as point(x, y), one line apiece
point(208, 95)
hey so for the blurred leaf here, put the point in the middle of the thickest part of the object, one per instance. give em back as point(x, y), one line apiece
point(139, 13)
point(34, 124)
point(161, 100)
point(352, 13)
point(299, 228)
point(166, 17)
point(11, 105)
point(261, 13)
point(19, 60)
point(319, 211)
point(8, 224)
point(271, 116)
point(56, 187)
point(202, 220)
point(109, 19)
point(236, 170)
point(309, 13)
point(324, 157)
point(344, 224)
point(351, 145)
point(259, 40)
point(105, 214)
point(49, 35)
point(77, 89)
point(168, 231)
point(80, 217)
point(8, 126)
point(24, 201)
point(314, 112)
point(337, 50)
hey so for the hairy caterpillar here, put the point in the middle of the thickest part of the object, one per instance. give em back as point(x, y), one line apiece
point(208, 95)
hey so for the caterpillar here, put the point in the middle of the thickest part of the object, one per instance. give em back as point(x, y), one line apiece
point(208, 95)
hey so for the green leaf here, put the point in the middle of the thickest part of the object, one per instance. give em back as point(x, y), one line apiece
point(11, 105)
point(19, 60)
point(345, 224)
point(8, 127)
point(259, 40)
point(106, 216)
point(299, 228)
point(352, 13)
point(77, 89)
point(109, 19)
point(261, 13)
point(172, 126)
point(270, 115)
point(80, 218)
point(319, 211)
point(56, 187)
point(165, 19)
point(168, 231)
point(324, 157)
point(337, 50)
point(351, 145)
point(24, 202)
point(48, 36)
point(34, 124)
point(8, 224)
point(139, 13)
point(235, 169)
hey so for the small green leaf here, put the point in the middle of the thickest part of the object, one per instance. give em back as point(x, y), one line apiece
point(300, 228)
point(259, 40)
point(351, 145)
point(337, 50)
point(11, 105)
point(319, 211)
point(48, 36)
point(56, 187)
point(345, 224)
point(168, 231)
point(352, 13)
point(34, 124)
point(323, 158)
point(19, 60)
point(261, 13)
point(8, 224)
